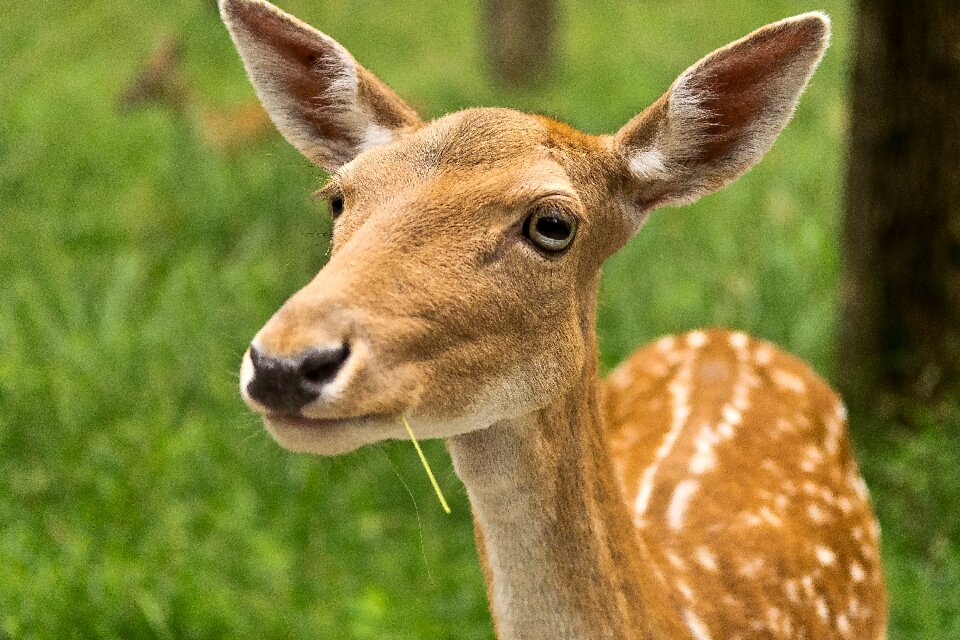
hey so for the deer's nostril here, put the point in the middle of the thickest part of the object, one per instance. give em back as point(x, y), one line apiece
point(287, 384)
point(322, 366)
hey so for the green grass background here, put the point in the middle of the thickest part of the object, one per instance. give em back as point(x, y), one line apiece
point(139, 499)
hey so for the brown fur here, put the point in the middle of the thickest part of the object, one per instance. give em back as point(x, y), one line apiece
point(634, 508)
point(779, 539)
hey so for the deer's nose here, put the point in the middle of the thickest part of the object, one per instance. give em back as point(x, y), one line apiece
point(285, 385)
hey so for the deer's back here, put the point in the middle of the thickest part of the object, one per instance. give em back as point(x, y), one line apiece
point(734, 460)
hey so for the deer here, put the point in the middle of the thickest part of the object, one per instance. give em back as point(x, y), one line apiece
point(704, 489)
point(161, 82)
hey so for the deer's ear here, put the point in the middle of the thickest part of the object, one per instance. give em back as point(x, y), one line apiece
point(721, 115)
point(321, 100)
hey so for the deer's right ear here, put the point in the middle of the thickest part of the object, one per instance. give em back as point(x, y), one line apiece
point(321, 100)
point(721, 115)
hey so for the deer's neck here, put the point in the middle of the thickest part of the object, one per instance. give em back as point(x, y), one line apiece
point(561, 555)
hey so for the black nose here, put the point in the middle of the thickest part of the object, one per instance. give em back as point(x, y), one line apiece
point(287, 384)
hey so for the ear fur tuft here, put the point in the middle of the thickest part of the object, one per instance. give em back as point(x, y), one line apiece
point(322, 101)
point(722, 114)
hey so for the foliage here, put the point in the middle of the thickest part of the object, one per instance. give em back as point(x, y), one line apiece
point(138, 498)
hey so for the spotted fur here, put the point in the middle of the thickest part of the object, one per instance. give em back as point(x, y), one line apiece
point(745, 492)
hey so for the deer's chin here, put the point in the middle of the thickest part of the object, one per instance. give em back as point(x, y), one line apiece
point(330, 437)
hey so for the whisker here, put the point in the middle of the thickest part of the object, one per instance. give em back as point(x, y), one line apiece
point(423, 546)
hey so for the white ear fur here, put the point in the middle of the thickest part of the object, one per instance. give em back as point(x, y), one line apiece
point(322, 101)
point(721, 115)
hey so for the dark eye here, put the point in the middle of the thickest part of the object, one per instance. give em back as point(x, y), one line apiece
point(336, 205)
point(550, 228)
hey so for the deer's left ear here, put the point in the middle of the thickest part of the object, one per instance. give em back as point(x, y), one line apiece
point(721, 115)
point(321, 100)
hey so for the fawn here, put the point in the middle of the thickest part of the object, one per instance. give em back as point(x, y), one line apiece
point(705, 489)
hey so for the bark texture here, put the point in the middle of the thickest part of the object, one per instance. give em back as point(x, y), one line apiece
point(900, 302)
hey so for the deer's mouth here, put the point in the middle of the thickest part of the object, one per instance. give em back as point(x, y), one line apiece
point(299, 421)
point(330, 436)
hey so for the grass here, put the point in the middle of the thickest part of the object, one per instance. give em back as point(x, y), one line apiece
point(138, 498)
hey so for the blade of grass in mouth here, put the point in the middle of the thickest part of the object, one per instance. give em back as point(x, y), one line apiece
point(426, 465)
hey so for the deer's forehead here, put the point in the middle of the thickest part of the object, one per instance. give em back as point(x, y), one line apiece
point(477, 145)
point(478, 138)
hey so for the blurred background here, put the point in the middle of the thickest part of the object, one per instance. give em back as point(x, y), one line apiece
point(151, 220)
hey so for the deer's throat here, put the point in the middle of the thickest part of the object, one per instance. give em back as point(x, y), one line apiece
point(560, 553)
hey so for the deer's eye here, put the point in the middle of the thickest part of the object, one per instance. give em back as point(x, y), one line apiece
point(550, 228)
point(336, 205)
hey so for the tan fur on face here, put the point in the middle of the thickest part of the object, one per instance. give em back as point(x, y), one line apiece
point(485, 351)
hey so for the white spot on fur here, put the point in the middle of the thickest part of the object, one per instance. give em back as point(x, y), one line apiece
point(696, 339)
point(751, 519)
point(666, 343)
point(679, 502)
point(844, 503)
point(843, 625)
point(679, 390)
point(834, 433)
point(790, 588)
point(702, 462)
point(784, 426)
point(725, 430)
point(697, 628)
point(859, 486)
point(774, 619)
point(857, 574)
point(854, 608)
point(751, 567)
point(676, 561)
point(825, 555)
point(874, 526)
point(732, 416)
point(816, 514)
point(770, 517)
point(787, 380)
point(841, 410)
point(703, 458)
point(738, 340)
point(763, 355)
point(822, 610)
point(685, 590)
point(739, 401)
point(706, 558)
point(814, 454)
point(621, 378)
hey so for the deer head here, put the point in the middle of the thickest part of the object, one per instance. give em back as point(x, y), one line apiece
point(466, 251)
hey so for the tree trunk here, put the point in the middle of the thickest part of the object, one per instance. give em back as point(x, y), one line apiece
point(521, 40)
point(900, 298)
